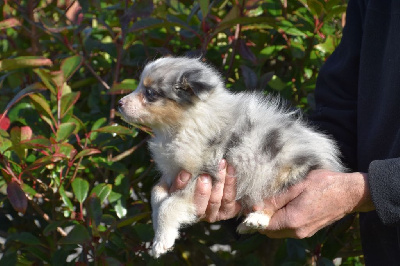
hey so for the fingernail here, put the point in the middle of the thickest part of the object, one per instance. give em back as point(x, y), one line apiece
point(184, 176)
point(205, 179)
point(230, 171)
point(222, 165)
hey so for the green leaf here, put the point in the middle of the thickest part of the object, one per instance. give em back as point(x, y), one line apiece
point(117, 129)
point(29, 190)
point(126, 86)
point(144, 231)
point(64, 131)
point(204, 7)
point(41, 105)
point(70, 65)
point(86, 152)
point(68, 101)
point(78, 235)
point(99, 123)
point(316, 7)
point(147, 23)
point(94, 209)
point(291, 29)
point(49, 159)
point(116, 199)
point(65, 149)
point(276, 83)
point(5, 141)
point(328, 46)
point(36, 87)
point(25, 238)
point(24, 62)
point(120, 209)
point(102, 191)
point(38, 142)
point(19, 134)
point(9, 257)
point(47, 79)
point(17, 196)
point(80, 188)
point(130, 220)
point(271, 50)
point(233, 14)
point(65, 198)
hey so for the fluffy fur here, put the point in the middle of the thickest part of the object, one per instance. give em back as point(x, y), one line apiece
point(197, 122)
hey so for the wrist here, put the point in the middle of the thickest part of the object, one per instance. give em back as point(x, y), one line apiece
point(360, 193)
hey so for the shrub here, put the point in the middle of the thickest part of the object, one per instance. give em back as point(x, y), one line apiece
point(75, 179)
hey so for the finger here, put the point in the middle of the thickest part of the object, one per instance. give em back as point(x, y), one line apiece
point(272, 204)
point(217, 192)
point(277, 227)
point(180, 181)
point(202, 194)
point(229, 206)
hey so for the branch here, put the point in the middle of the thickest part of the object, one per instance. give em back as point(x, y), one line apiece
point(235, 42)
point(130, 151)
point(45, 216)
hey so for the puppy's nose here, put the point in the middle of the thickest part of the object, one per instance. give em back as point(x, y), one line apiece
point(120, 103)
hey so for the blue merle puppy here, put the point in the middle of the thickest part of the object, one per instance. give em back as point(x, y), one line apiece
point(197, 122)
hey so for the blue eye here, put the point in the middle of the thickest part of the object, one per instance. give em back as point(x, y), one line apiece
point(150, 94)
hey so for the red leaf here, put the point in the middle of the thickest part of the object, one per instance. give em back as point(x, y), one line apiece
point(4, 122)
point(17, 196)
point(26, 133)
point(9, 23)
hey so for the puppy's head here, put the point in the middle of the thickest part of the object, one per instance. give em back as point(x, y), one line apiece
point(168, 88)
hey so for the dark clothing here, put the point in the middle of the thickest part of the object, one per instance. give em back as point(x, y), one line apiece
point(358, 102)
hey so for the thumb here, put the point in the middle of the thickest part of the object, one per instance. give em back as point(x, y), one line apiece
point(277, 202)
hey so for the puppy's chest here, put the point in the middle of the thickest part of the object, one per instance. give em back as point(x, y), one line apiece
point(175, 154)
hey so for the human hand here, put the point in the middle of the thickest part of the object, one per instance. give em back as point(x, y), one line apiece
point(213, 202)
point(321, 199)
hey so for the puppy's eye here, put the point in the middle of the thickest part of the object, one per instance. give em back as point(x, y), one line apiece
point(179, 87)
point(150, 94)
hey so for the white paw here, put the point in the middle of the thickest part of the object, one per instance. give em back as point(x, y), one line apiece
point(254, 221)
point(164, 243)
point(159, 249)
point(244, 229)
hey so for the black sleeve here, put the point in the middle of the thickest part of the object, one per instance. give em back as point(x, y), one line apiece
point(337, 86)
point(384, 184)
point(336, 97)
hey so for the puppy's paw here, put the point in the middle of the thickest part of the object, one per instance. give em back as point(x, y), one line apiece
point(244, 229)
point(253, 222)
point(164, 243)
point(159, 249)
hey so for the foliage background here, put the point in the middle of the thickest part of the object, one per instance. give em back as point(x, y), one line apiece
point(75, 179)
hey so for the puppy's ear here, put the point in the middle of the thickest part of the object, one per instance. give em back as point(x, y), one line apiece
point(195, 83)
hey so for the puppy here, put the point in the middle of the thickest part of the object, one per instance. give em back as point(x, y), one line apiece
point(197, 122)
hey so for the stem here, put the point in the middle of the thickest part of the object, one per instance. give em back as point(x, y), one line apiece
point(34, 39)
point(85, 62)
point(284, 8)
point(45, 216)
point(76, 167)
point(130, 151)
point(59, 94)
point(234, 47)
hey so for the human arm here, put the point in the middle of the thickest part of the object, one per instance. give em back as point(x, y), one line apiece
point(321, 199)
